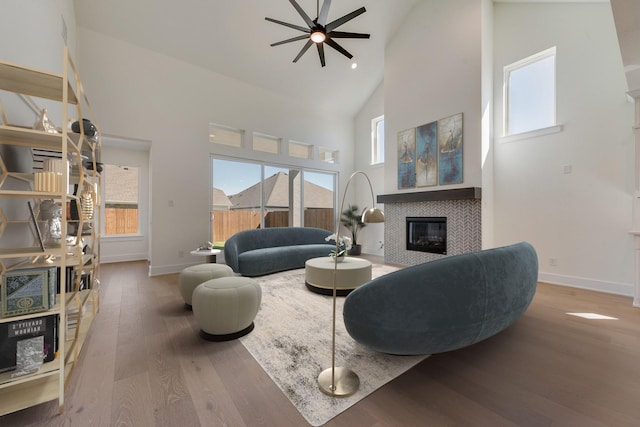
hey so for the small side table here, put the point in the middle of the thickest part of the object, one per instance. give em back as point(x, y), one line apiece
point(209, 253)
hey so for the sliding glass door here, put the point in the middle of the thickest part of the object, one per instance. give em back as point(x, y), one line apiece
point(247, 195)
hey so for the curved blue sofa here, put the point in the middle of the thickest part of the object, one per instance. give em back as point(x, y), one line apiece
point(443, 305)
point(269, 250)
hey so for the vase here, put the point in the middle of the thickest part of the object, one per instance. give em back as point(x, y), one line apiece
point(86, 204)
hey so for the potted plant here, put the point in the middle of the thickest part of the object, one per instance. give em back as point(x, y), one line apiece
point(352, 220)
point(344, 244)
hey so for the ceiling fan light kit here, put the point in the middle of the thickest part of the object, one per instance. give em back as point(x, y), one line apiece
point(319, 32)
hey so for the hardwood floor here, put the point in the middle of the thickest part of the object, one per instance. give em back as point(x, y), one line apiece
point(139, 368)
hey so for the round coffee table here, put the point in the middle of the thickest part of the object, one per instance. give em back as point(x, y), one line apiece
point(351, 273)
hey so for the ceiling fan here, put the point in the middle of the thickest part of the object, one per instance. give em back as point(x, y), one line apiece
point(319, 32)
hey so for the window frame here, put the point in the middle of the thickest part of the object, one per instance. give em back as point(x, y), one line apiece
point(239, 132)
point(274, 140)
point(264, 165)
point(518, 65)
point(308, 148)
point(103, 222)
point(377, 151)
point(322, 155)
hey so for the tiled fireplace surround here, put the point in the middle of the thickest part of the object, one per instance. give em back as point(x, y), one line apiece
point(461, 207)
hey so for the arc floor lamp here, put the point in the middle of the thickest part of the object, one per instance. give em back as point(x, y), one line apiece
point(341, 381)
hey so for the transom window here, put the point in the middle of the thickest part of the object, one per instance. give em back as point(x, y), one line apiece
point(266, 143)
point(300, 150)
point(530, 93)
point(224, 135)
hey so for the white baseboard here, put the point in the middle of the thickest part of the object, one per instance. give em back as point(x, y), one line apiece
point(106, 259)
point(625, 289)
point(168, 269)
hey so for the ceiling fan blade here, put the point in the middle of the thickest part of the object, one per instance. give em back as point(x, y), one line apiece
point(324, 12)
point(286, 24)
point(302, 13)
point(293, 39)
point(343, 35)
point(303, 50)
point(348, 17)
point(339, 48)
point(321, 53)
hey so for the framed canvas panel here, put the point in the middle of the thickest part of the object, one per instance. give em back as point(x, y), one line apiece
point(427, 155)
point(407, 158)
point(450, 150)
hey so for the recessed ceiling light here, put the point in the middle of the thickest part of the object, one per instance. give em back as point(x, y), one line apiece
point(354, 65)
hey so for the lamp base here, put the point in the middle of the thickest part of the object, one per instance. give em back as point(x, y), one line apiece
point(346, 382)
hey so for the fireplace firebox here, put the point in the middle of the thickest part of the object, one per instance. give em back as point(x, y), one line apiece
point(427, 234)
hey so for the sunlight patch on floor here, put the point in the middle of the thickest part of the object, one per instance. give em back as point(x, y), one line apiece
point(593, 316)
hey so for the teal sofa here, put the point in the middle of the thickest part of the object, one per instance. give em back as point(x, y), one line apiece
point(270, 250)
point(443, 305)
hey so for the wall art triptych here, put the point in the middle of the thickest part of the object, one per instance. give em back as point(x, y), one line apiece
point(431, 154)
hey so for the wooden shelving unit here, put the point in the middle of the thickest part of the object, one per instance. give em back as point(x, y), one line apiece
point(78, 300)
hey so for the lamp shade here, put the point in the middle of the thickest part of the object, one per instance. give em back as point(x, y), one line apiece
point(372, 215)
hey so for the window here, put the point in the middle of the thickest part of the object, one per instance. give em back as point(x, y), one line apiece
point(300, 150)
point(249, 195)
point(327, 155)
point(266, 143)
point(121, 195)
point(377, 140)
point(530, 93)
point(226, 136)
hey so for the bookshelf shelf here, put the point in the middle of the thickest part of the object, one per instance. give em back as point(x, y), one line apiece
point(77, 273)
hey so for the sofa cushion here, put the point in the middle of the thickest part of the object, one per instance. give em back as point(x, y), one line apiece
point(262, 261)
point(270, 238)
point(445, 304)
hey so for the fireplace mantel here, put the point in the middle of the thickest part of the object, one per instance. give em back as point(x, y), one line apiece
point(470, 193)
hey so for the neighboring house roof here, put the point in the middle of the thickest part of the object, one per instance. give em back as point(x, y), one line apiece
point(276, 194)
point(220, 200)
point(120, 184)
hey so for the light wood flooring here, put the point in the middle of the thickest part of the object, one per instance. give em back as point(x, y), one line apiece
point(548, 369)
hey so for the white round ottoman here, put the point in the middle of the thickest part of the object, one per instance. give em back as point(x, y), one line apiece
point(226, 307)
point(194, 275)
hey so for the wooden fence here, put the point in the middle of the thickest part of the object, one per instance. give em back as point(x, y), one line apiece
point(121, 220)
point(227, 223)
point(124, 220)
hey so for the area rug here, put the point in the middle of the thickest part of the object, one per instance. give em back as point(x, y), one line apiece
point(292, 343)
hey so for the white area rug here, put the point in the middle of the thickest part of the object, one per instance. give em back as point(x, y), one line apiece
point(292, 343)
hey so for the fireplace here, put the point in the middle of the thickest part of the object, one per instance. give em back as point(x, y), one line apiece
point(427, 234)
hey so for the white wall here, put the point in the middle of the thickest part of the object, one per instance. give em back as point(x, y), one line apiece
point(371, 237)
point(580, 219)
point(143, 95)
point(488, 194)
point(31, 34)
point(432, 71)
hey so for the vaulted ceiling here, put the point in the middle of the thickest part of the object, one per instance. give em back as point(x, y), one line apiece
point(231, 37)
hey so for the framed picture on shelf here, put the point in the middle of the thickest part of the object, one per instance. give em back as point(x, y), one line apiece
point(25, 291)
point(11, 333)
